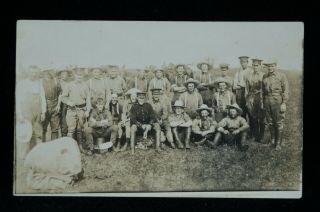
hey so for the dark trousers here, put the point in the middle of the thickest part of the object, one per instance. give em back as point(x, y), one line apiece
point(231, 139)
point(241, 101)
point(52, 118)
point(63, 121)
point(92, 133)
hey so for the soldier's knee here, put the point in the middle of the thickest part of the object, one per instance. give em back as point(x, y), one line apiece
point(88, 130)
point(156, 127)
point(133, 128)
point(114, 128)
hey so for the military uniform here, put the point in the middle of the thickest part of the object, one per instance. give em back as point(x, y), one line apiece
point(141, 115)
point(201, 125)
point(232, 124)
point(98, 129)
point(180, 123)
point(53, 90)
point(63, 111)
point(254, 104)
point(220, 102)
point(177, 86)
point(238, 87)
point(275, 91)
point(77, 93)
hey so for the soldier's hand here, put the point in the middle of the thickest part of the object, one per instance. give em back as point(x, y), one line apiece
point(283, 107)
point(226, 132)
point(236, 132)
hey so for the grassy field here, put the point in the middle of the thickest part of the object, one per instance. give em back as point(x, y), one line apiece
point(201, 168)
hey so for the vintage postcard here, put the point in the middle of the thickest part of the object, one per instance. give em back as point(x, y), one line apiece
point(159, 109)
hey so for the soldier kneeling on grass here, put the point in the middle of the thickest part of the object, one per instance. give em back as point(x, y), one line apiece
point(232, 129)
point(204, 128)
point(100, 126)
point(180, 122)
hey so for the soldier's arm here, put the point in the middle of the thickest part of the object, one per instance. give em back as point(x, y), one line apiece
point(109, 118)
point(233, 98)
point(93, 122)
point(285, 89)
point(212, 126)
point(244, 125)
point(124, 86)
point(88, 99)
point(133, 115)
point(200, 100)
point(222, 124)
point(65, 95)
point(168, 86)
point(43, 99)
point(195, 127)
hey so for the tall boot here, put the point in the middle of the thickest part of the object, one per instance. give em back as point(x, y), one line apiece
point(272, 135)
point(177, 138)
point(279, 134)
point(80, 141)
point(44, 133)
point(124, 147)
point(188, 134)
point(132, 141)
point(158, 133)
point(54, 135)
point(240, 142)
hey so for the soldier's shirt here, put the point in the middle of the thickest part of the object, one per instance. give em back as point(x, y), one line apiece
point(192, 101)
point(181, 117)
point(276, 84)
point(144, 114)
point(96, 116)
point(139, 83)
point(239, 78)
point(160, 109)
point(232, 124)
point(221, 100)
point(76, 92)
point(199, 125)
point(63, 84)
point(52, 89)
point(25, 90)
point(204, 77)
point(254, 82)
point(98, 88)
point(116, 85)
point(162, 83)
point(179, 80)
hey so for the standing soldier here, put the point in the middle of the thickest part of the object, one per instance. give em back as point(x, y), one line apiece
point(205, 79)
point(116, 83)
point(143, 117)
point(204, 127)
point(77, 97)
point(254, 100)
point(31, 105)
point(275, 92)
point(232, 129)
point(180, 122)
point(139, 81)
point(64, 77)
point(160, 82)
point(97, 86)
point(191, 99)
point(224, 69)
point(177, 82)
point(53, 91)
point(162, 114)
point(239, 84)
point(222, 98)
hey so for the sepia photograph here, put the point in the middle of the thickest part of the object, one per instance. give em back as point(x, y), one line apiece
point(159, 109)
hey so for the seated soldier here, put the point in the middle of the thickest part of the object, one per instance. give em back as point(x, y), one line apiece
point(116, 110)
point(222, 98)
point(204, 127)
point(180, 122)
point(100, 125)
point(232, 129)
point(143, 117)
point(162, 114)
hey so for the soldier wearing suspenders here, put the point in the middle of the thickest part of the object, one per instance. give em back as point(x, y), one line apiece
point(205, 79)
point(177, 83)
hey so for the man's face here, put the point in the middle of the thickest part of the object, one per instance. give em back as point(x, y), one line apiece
point(244, 63)
point(204, 113)
point(180, 70)
point(96, 73)
point(100, 107)
point(114, 99)
point(158, 74)
point(141, 99)
point(78, 77)
point(233, 113)
point(191, 87)
point(222, 86)
point(113, 73)
point(155, 97)
point(255, 66)
point(64, 75)
point(133, 97)
point(224, 69)
point(204, 67)
point(271, 68)
point(141, 74)
point(179, 110)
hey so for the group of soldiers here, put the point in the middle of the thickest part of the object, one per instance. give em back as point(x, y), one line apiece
point(175, 106)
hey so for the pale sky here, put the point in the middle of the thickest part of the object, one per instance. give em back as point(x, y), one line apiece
point(58, 44)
